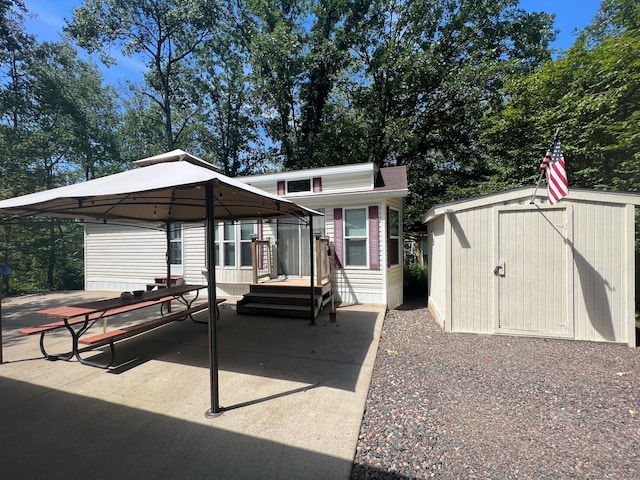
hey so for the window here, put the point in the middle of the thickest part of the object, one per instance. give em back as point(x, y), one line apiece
point(234, 242)
point(247, 230)
point(175, 244)
point(229, 244)
point(295, 186)
point(217, 245)
point(355, 237)
point(394, 237)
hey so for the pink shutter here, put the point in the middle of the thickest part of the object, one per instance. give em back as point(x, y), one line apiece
point(374, 238)
point(317, 184)
point(388, 232)
point(338, 237)
point(281, 190)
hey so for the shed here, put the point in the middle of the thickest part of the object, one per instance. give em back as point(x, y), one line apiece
point(511, 263)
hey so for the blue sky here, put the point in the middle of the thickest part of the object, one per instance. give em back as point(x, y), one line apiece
point(50, 15)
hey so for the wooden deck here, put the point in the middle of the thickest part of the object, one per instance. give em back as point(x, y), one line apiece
point(284, 298)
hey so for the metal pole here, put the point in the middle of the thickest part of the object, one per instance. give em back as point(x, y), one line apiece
point(1, 343)
point(168, 282)
point(215, 410)
point(312, 272)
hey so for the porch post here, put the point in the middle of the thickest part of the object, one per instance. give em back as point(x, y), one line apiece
point(312, 272)
point(215, 409)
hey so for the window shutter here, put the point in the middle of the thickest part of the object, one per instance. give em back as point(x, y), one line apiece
point(338, 237)
point(388, 236)
point(374, 238)
point(317, 184)
point(281, 189)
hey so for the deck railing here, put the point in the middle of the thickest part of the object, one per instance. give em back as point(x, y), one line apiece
point(263, 266)
point(261, 259)
point(323, 271)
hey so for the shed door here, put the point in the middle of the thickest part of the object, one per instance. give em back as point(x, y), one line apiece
point(531, 272)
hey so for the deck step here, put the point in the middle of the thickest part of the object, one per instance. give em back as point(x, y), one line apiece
point(283, 289)
point(277, 298)
point(277, 310)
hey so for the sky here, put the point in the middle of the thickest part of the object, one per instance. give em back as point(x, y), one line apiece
point(50, 15)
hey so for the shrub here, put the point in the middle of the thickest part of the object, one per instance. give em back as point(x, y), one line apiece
point(415, 280)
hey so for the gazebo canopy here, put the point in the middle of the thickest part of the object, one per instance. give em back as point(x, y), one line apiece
point(166, 188)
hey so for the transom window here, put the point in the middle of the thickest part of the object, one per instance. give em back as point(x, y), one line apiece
point(295, 186)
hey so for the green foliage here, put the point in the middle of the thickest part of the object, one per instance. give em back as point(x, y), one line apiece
point(416, 278)
point(591, 94)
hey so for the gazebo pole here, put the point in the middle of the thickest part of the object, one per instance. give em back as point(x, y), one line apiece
point(168, 282)
point(312, 272)
point(215, 409)
point(1, 343)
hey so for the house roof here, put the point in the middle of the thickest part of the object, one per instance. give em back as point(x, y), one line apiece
point(525, 195)
point(391, 178)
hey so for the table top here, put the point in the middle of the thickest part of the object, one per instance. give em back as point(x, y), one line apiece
point(87, 308)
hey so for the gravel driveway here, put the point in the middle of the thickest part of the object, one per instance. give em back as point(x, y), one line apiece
point(463, 406)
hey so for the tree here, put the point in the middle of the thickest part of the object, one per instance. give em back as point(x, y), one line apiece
point(591, 94)
point(166, 34)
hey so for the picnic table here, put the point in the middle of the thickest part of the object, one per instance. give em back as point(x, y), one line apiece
point(79, 318)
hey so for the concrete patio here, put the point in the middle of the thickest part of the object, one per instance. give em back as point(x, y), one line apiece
point(293, 394)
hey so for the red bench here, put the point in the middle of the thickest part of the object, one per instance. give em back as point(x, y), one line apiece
point(120, 334)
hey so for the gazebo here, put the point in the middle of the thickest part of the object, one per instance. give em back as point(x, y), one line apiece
point(167, 188)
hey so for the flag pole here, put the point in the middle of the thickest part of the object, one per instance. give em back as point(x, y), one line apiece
point(533, 195)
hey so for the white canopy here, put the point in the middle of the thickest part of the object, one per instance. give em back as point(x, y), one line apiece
point(166, 188)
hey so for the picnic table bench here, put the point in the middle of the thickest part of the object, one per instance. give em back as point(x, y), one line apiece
point(77, 319)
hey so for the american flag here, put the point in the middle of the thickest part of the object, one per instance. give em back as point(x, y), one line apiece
point(553, 166)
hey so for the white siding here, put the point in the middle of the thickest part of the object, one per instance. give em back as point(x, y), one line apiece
point(472, 270)
point(122, 258)
point(602, 271)
point(438, 268)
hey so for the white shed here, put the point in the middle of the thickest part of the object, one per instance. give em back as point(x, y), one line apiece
point(500, 264)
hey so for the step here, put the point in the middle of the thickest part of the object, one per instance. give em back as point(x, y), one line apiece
point(277, 298)
point(283, 289)
point(293, 311)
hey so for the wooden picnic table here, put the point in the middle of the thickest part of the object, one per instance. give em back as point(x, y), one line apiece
point(84, 315)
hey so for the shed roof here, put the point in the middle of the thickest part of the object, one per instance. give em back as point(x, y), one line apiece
point(525, 194)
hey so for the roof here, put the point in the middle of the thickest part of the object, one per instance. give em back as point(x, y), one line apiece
point(165, 191)
point(391, 178)
point(525, 194)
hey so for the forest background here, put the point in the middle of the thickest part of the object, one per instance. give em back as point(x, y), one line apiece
point(466, 94)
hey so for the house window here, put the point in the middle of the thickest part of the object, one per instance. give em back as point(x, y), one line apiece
point(295, 186)
point(217, 245)
point(229, 244)
point(394, 237)
point(175, 244)
point(355, 237)
point(247, 230)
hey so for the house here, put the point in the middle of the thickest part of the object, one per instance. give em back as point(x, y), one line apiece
point(362, 206)
point(504, 264)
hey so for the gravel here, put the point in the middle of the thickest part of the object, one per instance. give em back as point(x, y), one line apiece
point(465, 406)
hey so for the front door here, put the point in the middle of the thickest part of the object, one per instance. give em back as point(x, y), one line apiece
point(532, 271)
